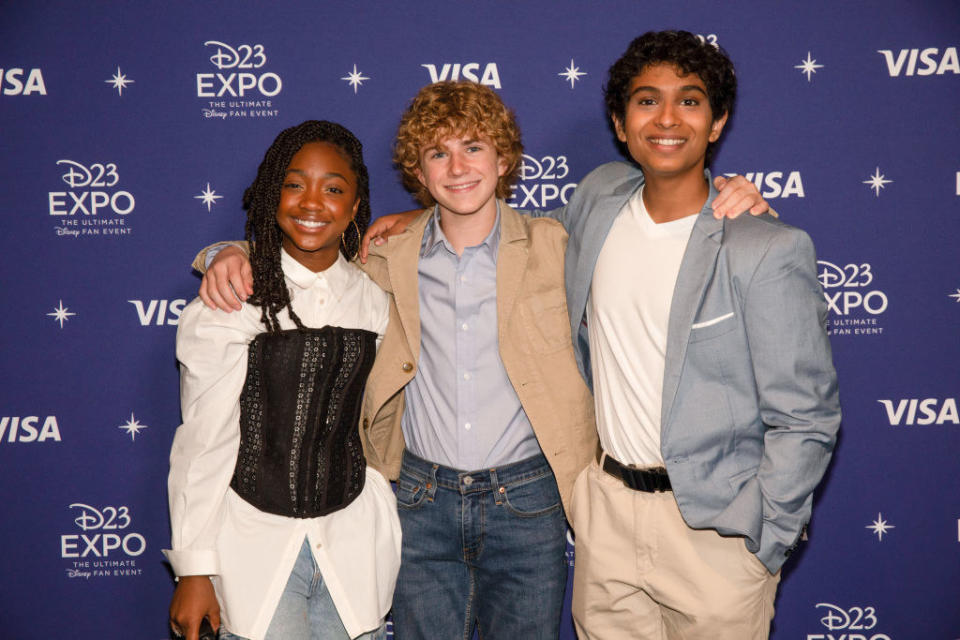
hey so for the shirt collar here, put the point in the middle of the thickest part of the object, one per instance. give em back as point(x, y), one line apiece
point(337, 276)
point(433, 237)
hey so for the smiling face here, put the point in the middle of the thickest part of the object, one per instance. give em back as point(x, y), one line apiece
point(461, 173)
point(668, 122)
point(318, 199)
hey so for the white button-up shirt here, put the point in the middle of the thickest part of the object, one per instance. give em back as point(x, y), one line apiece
point(248, 552)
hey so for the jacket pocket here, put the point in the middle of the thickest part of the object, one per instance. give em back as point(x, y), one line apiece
point(712, 327)
point(741, 478)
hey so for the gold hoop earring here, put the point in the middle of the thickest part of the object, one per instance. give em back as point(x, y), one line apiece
point(343, 240)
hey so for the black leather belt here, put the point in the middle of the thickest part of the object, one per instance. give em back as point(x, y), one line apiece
point(648, 480)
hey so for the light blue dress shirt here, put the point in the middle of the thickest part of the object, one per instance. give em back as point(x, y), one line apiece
point(461, 410)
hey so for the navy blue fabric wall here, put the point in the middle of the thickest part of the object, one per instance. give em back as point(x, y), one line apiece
point(129, 131)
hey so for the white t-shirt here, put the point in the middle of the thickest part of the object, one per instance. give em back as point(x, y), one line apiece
point(628, 312)
point(250, 553)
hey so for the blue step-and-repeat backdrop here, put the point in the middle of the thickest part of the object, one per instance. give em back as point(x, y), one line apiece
point(130, 129)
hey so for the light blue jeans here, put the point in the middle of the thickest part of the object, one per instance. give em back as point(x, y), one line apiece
point(306, 610)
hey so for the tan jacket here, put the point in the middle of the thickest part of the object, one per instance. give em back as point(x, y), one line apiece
point(535, 345)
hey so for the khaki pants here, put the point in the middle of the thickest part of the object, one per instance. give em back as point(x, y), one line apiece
point(641, 572)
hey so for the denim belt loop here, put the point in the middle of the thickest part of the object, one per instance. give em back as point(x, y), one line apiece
point(431, 487)
point(495, 486)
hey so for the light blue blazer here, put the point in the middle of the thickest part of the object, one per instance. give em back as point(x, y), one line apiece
point(750, 404)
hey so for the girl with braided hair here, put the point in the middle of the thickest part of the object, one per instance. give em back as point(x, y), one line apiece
point(279, 529)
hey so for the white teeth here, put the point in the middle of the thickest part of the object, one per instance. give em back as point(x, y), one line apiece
point(667, 141)
point(311, 224)
point(460, 187)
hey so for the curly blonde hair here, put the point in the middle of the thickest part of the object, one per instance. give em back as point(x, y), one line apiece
point(446, 109)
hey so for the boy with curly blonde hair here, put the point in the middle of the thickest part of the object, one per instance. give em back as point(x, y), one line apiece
point(497, 421)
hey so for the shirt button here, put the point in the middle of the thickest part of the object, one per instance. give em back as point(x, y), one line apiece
point(464, 326)
point(463, 278)
point(467, 426)
point(466, 376)
point(319, 545)
point(406, 366)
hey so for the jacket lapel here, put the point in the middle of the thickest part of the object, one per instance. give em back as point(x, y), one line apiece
point(511, 262)
point(696, 270)
point(603, 211)
point(402, 254)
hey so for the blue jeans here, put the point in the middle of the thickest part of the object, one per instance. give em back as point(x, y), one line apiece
point(306, 610)
point(484, 547)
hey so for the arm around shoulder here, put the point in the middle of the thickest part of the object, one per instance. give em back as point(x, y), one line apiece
point(227, 276)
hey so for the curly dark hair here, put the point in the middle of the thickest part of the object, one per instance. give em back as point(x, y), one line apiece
point(262, 198)
point(687, 52)
point(444, 109)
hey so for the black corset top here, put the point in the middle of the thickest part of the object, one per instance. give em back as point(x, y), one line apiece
point(300, 454)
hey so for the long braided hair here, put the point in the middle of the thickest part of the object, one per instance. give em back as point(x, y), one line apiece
point(262, 198)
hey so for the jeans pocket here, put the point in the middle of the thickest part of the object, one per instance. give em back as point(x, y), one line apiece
point(531, 498)
point(410, 491)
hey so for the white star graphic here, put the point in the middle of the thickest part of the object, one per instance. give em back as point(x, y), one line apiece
point(808, 66)
point(209, 197)
point(119, 81)
point(355, 78)
point(880, 526)
point(877, 181)
point(132, 427)
point(955, 295)
point(572, 73)
point(60, 314)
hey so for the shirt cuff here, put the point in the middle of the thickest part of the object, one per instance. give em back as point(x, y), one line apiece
point(193, 563)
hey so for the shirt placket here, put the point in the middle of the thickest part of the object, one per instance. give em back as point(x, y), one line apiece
point(466, 356)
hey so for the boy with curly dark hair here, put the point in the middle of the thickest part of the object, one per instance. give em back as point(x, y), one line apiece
point(715, 392)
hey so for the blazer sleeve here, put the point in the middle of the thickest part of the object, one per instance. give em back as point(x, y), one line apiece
point(559, 214)
point(785, 314)
point(203, 259)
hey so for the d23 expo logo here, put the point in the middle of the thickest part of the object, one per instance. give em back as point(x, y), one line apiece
point(240, 88)
point(542, 183)
point(848, 623)
point(93, 205)
point(854, 302)
point(104, 547)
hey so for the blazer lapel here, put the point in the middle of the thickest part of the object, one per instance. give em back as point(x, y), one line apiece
point(587, 242)
point(600, 218)
point(696, 269)
point(511, 262)
point(402, 254)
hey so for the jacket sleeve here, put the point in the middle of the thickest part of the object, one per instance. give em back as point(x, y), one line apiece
point(207, 254)
point(785, 314)
point(212, 350)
